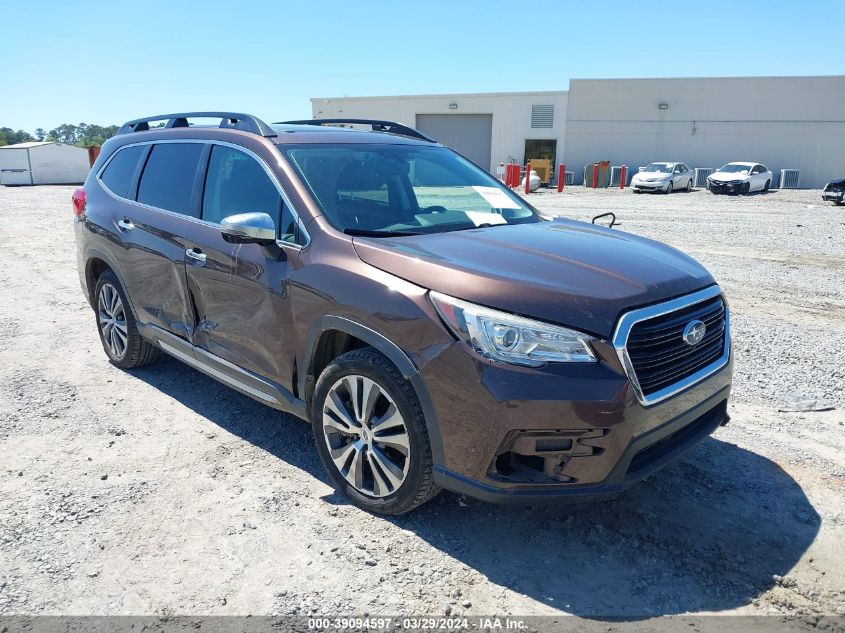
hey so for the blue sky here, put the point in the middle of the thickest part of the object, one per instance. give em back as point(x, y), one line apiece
point(106, 62)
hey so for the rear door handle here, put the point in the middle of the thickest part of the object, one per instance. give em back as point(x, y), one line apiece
point(196, 256)
point(125, 224)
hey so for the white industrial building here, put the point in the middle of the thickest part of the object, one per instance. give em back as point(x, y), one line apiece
point(43, 163)
point(489, 128)
point(783, 122)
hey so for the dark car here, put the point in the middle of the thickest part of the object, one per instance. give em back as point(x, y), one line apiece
point(834, 191)
point(431, 326)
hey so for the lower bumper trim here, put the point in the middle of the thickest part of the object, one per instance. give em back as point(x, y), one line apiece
point(644, 455)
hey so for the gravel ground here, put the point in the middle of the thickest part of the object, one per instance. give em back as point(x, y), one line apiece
point(160, 492)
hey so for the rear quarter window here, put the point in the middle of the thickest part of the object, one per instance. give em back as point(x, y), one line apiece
point(118, 174)
point(168, 178)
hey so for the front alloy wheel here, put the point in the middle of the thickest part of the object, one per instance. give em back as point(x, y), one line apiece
point(366, 436)
point(371, 433)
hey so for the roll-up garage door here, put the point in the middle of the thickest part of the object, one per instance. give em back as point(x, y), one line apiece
point(469, 134)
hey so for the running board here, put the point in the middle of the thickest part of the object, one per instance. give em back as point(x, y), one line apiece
point(237, 378)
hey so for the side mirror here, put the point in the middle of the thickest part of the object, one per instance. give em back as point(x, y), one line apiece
point(248, 228)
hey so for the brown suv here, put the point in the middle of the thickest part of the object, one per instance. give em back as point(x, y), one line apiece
point(434, 329)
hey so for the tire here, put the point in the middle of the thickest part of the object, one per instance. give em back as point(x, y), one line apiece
point(746, 189)
point(669, 189)
point(636, 190)
point(117, 326)
point(768, 183)
point(689, 186)
point(387, 481)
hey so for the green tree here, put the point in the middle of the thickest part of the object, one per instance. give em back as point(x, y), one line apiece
point(9, 137)
point(83, 134)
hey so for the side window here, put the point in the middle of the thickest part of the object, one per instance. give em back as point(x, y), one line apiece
point(120, 170)
point(678, 169)
point(168, 178)
point(237, 183)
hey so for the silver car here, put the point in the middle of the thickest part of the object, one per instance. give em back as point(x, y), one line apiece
point(665, 177)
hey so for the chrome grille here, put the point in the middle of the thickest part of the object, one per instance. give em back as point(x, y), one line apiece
point(652, 349)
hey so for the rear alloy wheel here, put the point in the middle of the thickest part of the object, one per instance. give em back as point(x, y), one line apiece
point(117, 327)
point(768, 184)
point(112, 318)
point(371, 435)
point(689, 186)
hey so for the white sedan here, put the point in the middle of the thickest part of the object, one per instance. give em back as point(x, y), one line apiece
point(740, 178)
point(665, 177)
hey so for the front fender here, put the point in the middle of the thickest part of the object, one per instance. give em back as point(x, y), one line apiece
point(387, 347)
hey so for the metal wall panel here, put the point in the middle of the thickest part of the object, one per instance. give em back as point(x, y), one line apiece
point(701, 174)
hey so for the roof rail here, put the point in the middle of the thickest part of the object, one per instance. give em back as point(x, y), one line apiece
point(231, 120)
point(391, 127)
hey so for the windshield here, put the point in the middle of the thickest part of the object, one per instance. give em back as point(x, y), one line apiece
point(662, 168)
point(735, 169)
point(403, 189)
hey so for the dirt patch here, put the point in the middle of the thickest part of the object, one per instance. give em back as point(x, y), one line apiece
point(160, 491)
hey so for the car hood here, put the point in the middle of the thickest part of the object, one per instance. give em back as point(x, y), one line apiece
point(562, 271)
point(648, 175)
point(727, 177)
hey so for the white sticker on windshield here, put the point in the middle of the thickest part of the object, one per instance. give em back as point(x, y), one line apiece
point(478, 218)
point(497, 198)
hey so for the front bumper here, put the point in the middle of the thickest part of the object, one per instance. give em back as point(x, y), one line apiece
point(588, 411)
point(649, 186)
point(725, 187)
point(833, 196)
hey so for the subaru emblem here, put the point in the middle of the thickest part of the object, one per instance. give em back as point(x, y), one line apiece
point(694, 332)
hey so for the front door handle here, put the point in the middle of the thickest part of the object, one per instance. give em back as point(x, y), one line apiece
point(125, 224)
point(196, 256)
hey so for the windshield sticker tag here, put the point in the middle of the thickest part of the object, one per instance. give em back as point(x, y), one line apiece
point(497, 198)
point(479, 218)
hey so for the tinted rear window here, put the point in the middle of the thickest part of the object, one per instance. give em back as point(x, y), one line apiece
point(168, 178)
point(118, 174)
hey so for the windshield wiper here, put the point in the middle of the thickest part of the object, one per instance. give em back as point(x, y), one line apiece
point(371, 233)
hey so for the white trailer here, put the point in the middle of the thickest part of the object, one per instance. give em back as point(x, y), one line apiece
point(43, 163)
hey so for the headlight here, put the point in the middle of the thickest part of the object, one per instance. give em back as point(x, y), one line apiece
point(512, 339)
